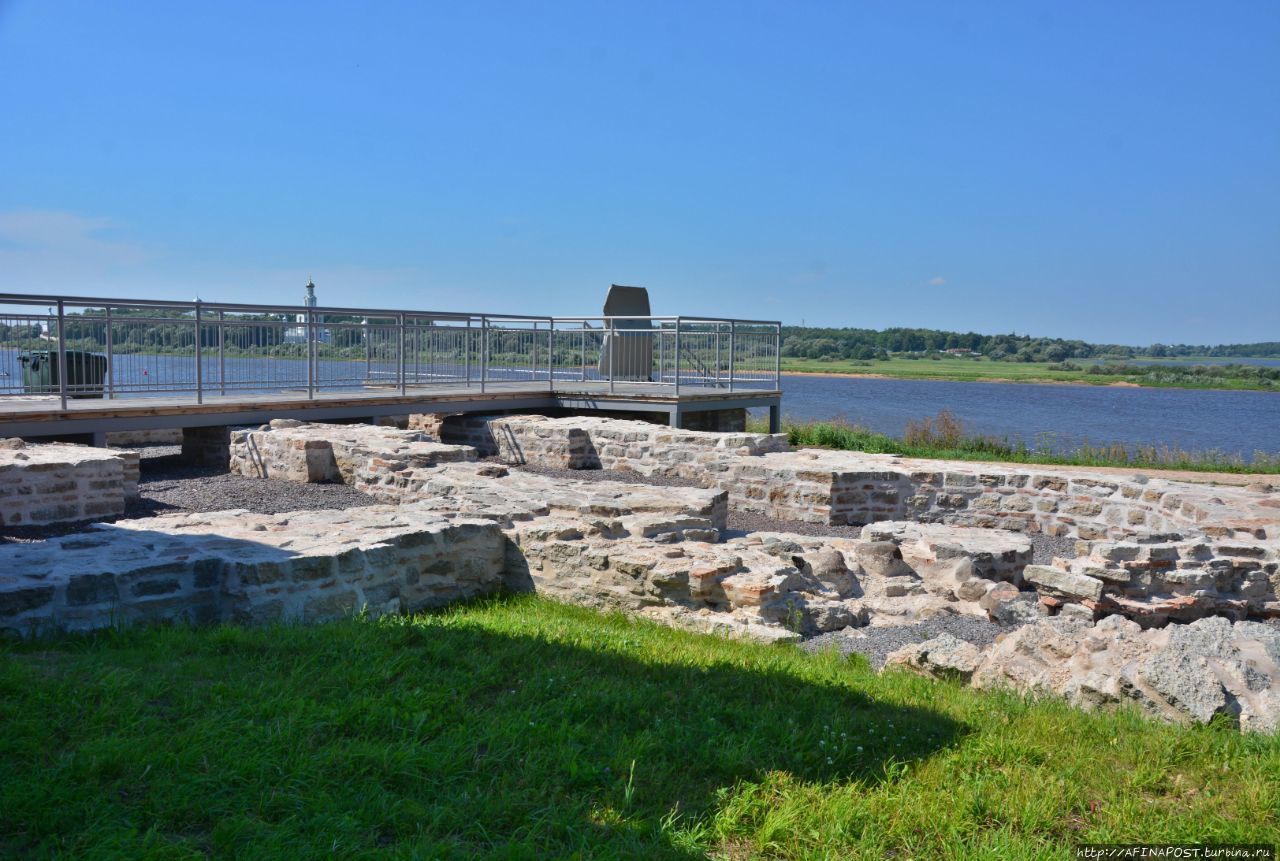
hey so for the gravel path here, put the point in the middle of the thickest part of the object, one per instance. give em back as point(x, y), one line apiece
point(877, 641)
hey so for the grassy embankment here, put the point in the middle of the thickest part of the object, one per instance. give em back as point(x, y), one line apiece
point(525, 729)
point(943, 437)
point(1186, 374)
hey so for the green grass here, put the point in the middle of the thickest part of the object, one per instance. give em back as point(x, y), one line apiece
point(843, 436)
point(984, 370)
point(521, 728)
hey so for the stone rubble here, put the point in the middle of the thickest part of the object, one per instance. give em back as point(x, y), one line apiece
point(1184, 673)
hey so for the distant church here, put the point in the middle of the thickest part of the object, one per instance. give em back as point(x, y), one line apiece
point(298, 334)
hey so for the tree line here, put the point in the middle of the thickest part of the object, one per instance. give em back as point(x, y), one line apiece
point(861, 344)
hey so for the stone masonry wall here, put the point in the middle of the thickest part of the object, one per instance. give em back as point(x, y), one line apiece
point(298, 451)
point(851, 487)
point(55, 482)
point(585, 442)
point(238, 566)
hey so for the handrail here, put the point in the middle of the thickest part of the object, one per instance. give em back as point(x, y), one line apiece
point(195, 348)
point(96, 302)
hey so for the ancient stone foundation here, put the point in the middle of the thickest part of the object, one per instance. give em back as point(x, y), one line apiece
point(56, 482)
point(235, 565)
point(586, 442)
point(940, 539)
point(298, 451)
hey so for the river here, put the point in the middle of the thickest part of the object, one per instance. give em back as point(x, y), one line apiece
point(1057, 417)
point(1051, 416)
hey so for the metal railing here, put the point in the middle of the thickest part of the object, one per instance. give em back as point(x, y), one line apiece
point(128, 348)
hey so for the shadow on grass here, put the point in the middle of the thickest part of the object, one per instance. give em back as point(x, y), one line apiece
point(518, 729)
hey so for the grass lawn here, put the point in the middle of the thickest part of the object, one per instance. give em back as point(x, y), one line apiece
point(520, 728)
point(984, 370)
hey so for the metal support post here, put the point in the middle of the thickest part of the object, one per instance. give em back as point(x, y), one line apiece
point(62, 354)
point(717, 383)
point(733, 332)
point(222, 352)
point(199, 356)
point(661, 348)
point(111, 362)
point(777, 357)
point(484, 352)
point(400, 359)
point(677, 357)
point(311, 369)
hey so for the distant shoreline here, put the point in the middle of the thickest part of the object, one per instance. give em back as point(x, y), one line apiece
point(943, 378)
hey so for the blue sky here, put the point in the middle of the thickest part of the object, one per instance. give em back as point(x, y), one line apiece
point(1107, 171)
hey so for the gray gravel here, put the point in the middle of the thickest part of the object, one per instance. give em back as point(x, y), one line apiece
point(166, 485)
point(877, 641)
point(192, 489)
point(623, 475)
point(1046, 547)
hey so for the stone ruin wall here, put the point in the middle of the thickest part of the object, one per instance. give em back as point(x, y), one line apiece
point(1150, 549)
point(57, 482)
point(762, 475)
point(451, 528)
point(307, 566)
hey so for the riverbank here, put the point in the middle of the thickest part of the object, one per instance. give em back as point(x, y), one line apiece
point(953, 369)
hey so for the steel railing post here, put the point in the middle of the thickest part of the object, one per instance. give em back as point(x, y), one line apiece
point(111, 364)
point(613, 352)
point(733, 331)
point(484, 352)
point(311, 370)
point(661, 349)
point(717, 378)
point(222, 352)
point(368, 348)
point(62, 354)
point(551, 350)
point(199, 356)
point(466, 342)
point(584, 351)
point(777, 357)
point(400, 371)
point(677, 350)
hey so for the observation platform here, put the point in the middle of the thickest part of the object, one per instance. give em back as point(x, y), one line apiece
point(208, 365)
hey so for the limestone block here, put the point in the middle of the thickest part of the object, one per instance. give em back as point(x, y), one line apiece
point(55, 482)
point(235, 565)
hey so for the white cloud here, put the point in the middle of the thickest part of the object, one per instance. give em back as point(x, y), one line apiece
point(937, 281)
